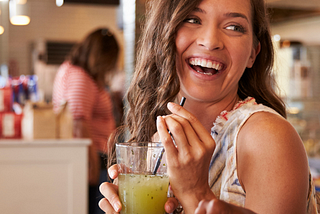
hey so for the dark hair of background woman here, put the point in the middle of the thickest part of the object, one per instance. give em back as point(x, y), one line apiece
point(97, 54)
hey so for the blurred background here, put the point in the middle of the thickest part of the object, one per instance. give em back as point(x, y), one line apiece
point(32, 48)
point(295, 26)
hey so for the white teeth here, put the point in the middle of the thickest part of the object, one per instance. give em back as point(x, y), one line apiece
point(205, 63)
point(198, 61)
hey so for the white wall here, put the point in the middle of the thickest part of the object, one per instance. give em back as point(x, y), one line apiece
point(71, 22)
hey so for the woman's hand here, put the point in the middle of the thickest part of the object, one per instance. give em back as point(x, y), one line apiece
point(216, 206)
point(189, 160)
point(111, 203)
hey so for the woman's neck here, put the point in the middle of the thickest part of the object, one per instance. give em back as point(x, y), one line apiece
point(207, 113)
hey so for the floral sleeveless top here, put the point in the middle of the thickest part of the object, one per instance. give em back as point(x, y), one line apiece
point(223, 179)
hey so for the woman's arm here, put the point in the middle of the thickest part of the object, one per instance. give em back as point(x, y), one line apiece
point(272, 165)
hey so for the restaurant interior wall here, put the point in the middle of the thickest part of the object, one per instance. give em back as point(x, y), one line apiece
point(298, 71)
point(68, 23)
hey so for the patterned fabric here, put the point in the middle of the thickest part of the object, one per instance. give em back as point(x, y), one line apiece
point(223, 179)
point(86, 101)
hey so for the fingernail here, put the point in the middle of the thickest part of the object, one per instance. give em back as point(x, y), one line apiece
point(111, 174)
point(169, 105)
point(196, 211)
point(117, 206)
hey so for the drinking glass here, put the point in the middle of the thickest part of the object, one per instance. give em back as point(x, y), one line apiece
point(142, 189)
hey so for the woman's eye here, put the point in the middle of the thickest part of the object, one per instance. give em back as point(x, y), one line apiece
point(192, 20)
point(237, 28)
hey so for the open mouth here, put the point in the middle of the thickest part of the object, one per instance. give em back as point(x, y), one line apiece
point(204, 66)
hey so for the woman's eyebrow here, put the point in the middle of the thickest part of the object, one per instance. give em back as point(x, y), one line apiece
point(197, 9)
point(241, 15)
point(231, 14)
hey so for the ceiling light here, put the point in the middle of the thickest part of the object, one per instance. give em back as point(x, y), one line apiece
point(59, 3)
point(20, 20)
point(19, 12)
point(277, 37)
point(1, 30)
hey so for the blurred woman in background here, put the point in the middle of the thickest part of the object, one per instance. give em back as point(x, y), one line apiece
point(80, 82)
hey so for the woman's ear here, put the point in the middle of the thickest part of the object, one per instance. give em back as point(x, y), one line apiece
point(254, 53)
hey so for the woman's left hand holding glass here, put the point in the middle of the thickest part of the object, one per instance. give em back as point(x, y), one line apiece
point(188, 161)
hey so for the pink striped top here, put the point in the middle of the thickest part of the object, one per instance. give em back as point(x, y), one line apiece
point(86, 101)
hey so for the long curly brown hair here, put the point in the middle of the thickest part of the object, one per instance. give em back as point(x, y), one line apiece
point(155, 81)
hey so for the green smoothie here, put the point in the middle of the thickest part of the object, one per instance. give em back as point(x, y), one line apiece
point(143, 194)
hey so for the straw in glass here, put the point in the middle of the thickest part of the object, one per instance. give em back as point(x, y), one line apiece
point(162, 151)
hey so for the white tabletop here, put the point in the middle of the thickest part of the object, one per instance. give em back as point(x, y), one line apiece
point(44, 142)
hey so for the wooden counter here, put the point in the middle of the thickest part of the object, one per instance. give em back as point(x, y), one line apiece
point(43, 176)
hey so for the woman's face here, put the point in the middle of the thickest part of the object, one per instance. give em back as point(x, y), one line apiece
point(214, 47)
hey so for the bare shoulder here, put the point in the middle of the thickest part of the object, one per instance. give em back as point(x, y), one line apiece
point(268, 130)
point(272, 164)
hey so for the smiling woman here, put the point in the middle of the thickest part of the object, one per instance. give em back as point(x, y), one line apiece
point(232, 45)
point(233, 148)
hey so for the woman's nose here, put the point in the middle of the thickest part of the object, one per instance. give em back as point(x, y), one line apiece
point(210, 38)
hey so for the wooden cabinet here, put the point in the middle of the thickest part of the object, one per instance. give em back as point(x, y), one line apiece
point(43, 176)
